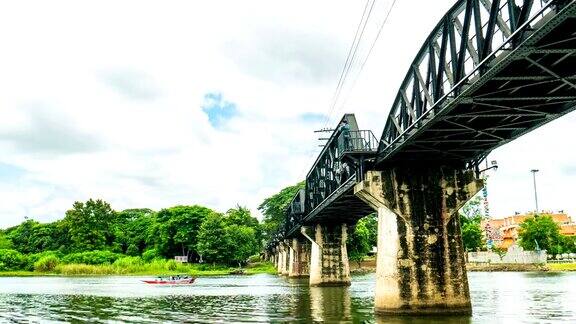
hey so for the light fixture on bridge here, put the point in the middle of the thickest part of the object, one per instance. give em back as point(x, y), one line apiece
point(535, 193)
point(494, 165)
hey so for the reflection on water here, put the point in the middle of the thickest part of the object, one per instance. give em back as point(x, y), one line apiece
point(504, 297)
point(330, 304)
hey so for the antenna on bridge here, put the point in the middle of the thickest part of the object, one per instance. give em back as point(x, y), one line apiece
point(323, 130)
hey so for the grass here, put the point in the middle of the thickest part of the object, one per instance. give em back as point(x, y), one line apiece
point(137, 267)
point(561, 266)
point(261, 267)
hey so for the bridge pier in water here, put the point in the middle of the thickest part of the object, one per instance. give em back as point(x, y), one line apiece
point(283, 258)
point(299, 258)
point(328, 255)
point(420, 266)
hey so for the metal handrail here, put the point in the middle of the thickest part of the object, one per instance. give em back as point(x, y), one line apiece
point(356, 141)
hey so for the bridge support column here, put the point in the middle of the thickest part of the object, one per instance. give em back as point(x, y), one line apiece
point(299, 258)
point(285, 255)
point(420, 267)
point(281, 258)
point(275, 257)
point(328, 255)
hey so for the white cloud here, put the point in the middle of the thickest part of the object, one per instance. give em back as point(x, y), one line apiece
point(103, 100)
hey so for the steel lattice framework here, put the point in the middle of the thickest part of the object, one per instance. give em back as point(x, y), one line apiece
point(489, 72)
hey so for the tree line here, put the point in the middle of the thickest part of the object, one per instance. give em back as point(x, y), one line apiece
point(197, 232)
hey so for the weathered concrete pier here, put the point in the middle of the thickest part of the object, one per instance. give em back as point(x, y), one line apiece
point(420, 266)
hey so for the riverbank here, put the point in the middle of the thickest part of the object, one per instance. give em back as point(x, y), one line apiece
point(151, 269)
point(370, 266)
point(515, 267)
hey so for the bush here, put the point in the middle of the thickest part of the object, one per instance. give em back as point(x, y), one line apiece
point(254, 258)
point(31, 259)
point(86, 269)
point(11, 260)
point(132, 250)
point(128, 262)
point(46, 264)
point(150, 255)
point(92, 257)
point(171, 265)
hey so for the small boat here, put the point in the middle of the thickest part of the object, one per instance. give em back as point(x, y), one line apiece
point(172, 280)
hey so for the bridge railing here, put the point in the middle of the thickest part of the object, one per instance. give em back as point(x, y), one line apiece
point(361, 141)
point(467, 38)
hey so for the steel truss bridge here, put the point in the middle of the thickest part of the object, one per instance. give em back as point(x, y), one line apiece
point(489, 72)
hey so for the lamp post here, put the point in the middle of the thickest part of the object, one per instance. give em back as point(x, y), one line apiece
point(535, 193)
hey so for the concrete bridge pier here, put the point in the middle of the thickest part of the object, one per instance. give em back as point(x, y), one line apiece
point(285, 257)
point(282, 256)
point(299, 258)
point(274, 257)
point(328, 255)
point(420, 267)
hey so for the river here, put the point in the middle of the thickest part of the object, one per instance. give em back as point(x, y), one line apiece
point(498, 297)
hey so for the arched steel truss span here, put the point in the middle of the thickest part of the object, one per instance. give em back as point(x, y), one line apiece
point(490, 71)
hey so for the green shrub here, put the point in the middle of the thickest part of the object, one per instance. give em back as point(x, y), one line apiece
point(150, 255)
point(171, 265)
point(254, 258)
point(31, 259)
point(92, 257)
point(128, 262)
point(255, 264)
point(46, 264)
point(86, 269)
point(132, 250)
point(11, 260)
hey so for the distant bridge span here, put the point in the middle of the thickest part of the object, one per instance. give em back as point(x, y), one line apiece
point(489, 72)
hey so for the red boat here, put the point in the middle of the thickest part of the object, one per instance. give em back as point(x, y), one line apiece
point(171, 280)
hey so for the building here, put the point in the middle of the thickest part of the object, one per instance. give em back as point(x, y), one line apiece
point(181, 258)
point(503, 232)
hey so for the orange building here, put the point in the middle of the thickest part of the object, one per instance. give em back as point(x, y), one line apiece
point(504, 232)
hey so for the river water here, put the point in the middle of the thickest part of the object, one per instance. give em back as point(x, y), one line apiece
point(497, 297)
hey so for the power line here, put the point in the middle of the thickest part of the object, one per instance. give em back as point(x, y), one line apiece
point(350, 60)
point(369, 53)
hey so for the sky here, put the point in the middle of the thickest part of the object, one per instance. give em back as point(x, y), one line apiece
point(151, 104)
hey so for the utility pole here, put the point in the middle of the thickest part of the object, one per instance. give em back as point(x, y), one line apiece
point(535, 193)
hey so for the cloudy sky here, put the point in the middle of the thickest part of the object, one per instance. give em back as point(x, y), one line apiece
point(159, 103)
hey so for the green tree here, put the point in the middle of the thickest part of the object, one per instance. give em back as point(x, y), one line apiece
point(540, 232)
point(11, 260)
point(176, 229)
point(5, 242)
point(470, 218)
point(132, 231)
point(471, 211)
point(213, 240)
point(568, 244)
point(90, 225)
point(370, 222)
point(358, 243)
point(23, 236)
point(472, 236)
point(243, 243)
point(273, 208)
point(243, 217)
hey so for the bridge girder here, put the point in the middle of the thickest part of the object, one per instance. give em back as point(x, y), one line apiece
point(488, 73)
